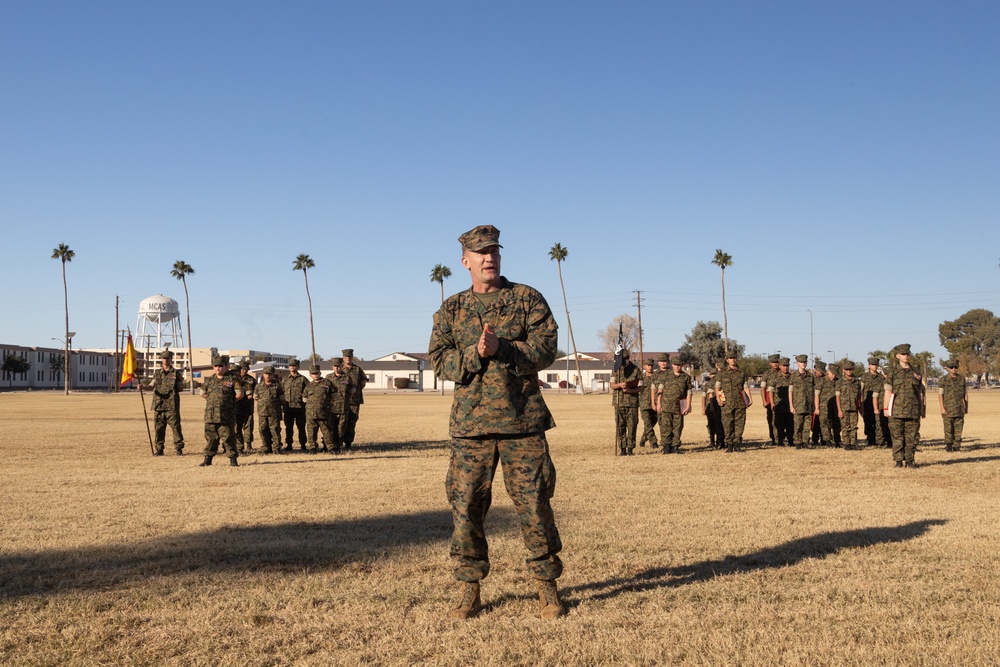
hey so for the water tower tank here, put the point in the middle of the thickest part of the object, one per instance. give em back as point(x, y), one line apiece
point(159, 322)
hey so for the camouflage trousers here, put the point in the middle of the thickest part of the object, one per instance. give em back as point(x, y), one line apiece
point(626, 421)
point(649, 419)
point(161, 420)
point(350, 418)
point(671, 426)
point(801, 425)
point(874, 426)
point(224, 434)
point(829, 424)
point(953, 427)
point(270, 432)
point(530, 478)
point(338, 422)
point(295, 418)
point(905, 432)
point(734, 420)
point(244, 423)
point(849, 428)
point(313, 426)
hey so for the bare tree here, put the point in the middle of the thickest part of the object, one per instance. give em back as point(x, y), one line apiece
point(558, 253)
point(181, 270)
point(723, 260)
point(303, 263)
point(63, 253)
point(438, 275)
point(630, 334)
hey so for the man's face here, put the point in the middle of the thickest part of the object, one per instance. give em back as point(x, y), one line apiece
point(243, 371)
point(647, 370)
point(662, 365)
point(314, 376)
point(873, 368)
point(220, 370)
point(165, 363)
point(817, 372)
point(774, 365)
point(483, 265)
point(347, 362)
point(831, 375)
point(904, 359)
point(338, 371)
point(677, 369)
point(953, 372)
point(801, 366)
point(268, 378)
point(784, 370)
point(293, 370)
point(731, 361)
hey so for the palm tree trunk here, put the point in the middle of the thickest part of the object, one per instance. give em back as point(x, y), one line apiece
point(569, 325)
point(312, 335)
point(725, 320)
point(187, 314)
point(66, 304)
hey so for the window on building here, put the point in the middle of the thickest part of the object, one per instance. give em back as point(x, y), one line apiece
point(552, 377)
point(371, 377)
point(602, 377)
point(414, 377)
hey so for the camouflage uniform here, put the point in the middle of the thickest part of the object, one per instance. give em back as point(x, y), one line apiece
point(777, 393)
point(672, 389)
point(339, 405)
point(828, 421)
point(872, 385)
point(848, 393)
point(766, 379)
point(294, 409)
point(167, 388)
point(358, 381)
point(244, 410)
point(220, 396)
point(646, 410)
point(498, 415)
point(268, 398)
point(954, 401)
point(904, 386)
point(626, 407)
point(732, 382)
point(317, 397)
point(801, 389)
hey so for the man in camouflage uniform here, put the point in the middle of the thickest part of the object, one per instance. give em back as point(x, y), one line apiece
point(317, 396)
point(765, 396)
point(626, 383)
point(954, 400)
point(673, 401)
point(340, 404)
point(872, 385)
point(491, 341)
point(733, 391)
point(220, 391)
point(902, 404)
point(713, 413)
point(244, 410)
point(826, 397)
point(848, 392)
point(294, 409)
point(646, 408)
point(168, 383)
point(801, 389)
point(358, 380)
point(777, 395)
point(268, 396)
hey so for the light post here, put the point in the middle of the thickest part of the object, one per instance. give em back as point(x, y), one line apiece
point(811, 355)
point(67, 344)
point(833, 356)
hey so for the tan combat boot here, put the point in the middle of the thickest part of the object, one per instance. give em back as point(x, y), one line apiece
point(548, 600)
point(469, 604)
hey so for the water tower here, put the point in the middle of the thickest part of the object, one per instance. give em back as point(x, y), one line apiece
point(159, 323)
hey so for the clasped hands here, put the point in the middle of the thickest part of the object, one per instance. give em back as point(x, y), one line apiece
point(488, 343)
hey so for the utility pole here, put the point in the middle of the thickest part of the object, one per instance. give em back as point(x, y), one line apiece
point(116, 378)
point(638, 306)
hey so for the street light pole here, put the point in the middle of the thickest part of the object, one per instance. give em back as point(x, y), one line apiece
point(811, 355)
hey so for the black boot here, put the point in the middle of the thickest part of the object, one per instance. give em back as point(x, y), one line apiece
point(233, 463)
point(206, 462)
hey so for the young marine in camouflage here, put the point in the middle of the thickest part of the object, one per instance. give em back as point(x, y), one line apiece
point(244, 410)
point(872, 386)
point(713, 413)
point(826, 390)
point(268, 396)
point(731, 385)
point(220, 392)
point(801, 389)
point(626, 383)
point(339, 404)
point(673, 401)
point(491, 341)
point(646, 409)
point(317, 397)
point(358, 380)
point(293, 408)
point(168, 383)
point(903, 405)
point(848, 393)
point(777, 393)
point(765, 396)
point(953, 397)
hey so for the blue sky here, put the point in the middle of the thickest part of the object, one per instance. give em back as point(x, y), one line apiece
point(846, 154)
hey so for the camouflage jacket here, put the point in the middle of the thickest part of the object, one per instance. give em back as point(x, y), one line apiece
point(498, 395)
point(268, 397)
point(827, 389)
point(731, 381)
point(953, 393)
point(907, 391)
point(673, 390)
point(317, 396)
point(342, 391)
point(249, 383)
point(358, 381)
point(167, 388)
point(801, 387)
point(645, 398)
point(872, 385)
point(293, 387)
point(849, 391)
point(220, 398)
point(777, 389)
point(629, 372)
point(766, 380)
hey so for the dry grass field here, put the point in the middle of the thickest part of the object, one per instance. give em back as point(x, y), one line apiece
point(767, 557)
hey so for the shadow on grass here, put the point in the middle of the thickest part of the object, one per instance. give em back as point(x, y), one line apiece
point(963, 459)
point(367, 450)
point(288, 547)
point(789, 553)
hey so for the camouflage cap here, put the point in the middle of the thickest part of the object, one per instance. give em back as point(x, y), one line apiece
point(951, 363)
point(802, 357)
point(731, 354)
point(217, 361)
point(626, 354)
point(649, 362)
point(480, 237)
point(663, 356)
point(774, 358)
point(676, 361)
point(873, 361)
point(847, 364)
point(268, 370)
point(349, 352)
point(245, 365)
point(338, 362)
point(819, 365)
point(314, 370)
point(833, 368)
point(784, 361)
point(225, 358)
point(293, 362)
point(903, 348)
point(166, 354)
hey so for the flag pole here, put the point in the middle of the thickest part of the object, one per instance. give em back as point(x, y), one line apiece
point(129, 374)
point(145, 362)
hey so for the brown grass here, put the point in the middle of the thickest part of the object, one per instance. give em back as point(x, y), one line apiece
point(772, 556)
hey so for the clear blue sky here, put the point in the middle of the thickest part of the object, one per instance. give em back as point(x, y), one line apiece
point(846, 154)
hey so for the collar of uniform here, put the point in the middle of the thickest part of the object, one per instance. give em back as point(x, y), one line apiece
point(471, 302)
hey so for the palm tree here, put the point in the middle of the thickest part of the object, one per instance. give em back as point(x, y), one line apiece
point(303, 263)
point(722, 260)
point(438, 274)
point(180, 271)
point(559, 254)
point(63, 253)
